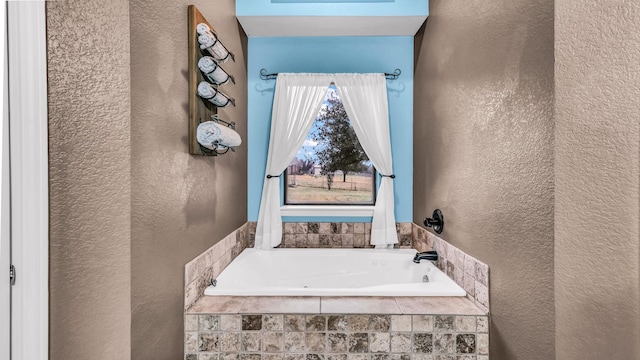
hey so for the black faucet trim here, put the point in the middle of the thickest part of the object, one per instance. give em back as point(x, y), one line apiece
point(427, 255)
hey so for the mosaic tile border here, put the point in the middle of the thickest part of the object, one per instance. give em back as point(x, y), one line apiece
point(208, 265)
point(335, 337)
point(332, 234)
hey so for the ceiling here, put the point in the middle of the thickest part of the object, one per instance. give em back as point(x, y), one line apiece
point(331, 25)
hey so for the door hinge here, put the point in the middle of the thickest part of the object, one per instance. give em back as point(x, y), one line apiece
point(12, 274)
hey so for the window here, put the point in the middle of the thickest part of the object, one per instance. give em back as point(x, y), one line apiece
point(331, 168)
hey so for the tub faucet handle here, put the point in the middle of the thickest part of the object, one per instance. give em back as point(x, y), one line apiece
point(437, 222)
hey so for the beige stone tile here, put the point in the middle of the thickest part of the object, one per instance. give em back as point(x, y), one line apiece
point(466, 323)
point(483, 344)
point(337, 342)
point(458, 276)
point(294, 323)
point(229, 341)
point(250, 356)
point(347, 240)
point(208, 322)
point(272, 356)
point(481, 294)
point(316, 323)
point(315, 342)
point(458, 258)
point(400, 322)
point(401, 342)
point(422, 323)
point(302, 228)
point(273, 341)
point(314, 240)
point(379, 323)
point(359, 305)
point(346, 228)
point(444, 323)
point(190, 322)
point(190, 272)
point(217, 304)
point(422, 357)
point(358, 357)
point(272, 322)
point(438, 305)
point(289, 228)
point(302, 240)
point(470, 265)
point(444, 343)
point(483, 324)
point(190, 341)
point(230, 322)
point(324, 228)
point(336, 357)
point(358, 323)
point(405, 228)
point(358, 342)
point(358, 240)
point(281, 305)
point(469, 285)
point(358, 228)
point(379, 342)
point(251, 341)
point(294, 342)
point(337, 323)
point(482, 273)
point(191, 293)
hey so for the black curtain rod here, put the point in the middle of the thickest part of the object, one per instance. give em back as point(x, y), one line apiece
point(264, 76)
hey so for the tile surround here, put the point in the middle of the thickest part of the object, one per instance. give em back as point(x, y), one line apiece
point(337, 337)
point(468, 272)
point(199, 272)
point(471, 274)
point(339, 330)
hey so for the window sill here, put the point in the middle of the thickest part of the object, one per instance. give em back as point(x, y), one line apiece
point(326, 210)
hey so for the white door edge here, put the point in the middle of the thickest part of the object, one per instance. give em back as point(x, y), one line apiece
point(5, 219)
point(29, 179)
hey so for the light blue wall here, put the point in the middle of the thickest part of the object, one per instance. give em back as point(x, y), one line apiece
point(332, 55)
point(332, 7)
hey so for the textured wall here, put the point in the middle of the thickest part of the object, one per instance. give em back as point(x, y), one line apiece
point(89, 158)
point(483, 153)
point(180, 204)
point(597, 84)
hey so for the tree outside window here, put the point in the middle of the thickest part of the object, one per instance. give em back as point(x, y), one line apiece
point(331, 167)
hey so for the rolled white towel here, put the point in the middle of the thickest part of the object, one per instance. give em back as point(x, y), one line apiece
point(211, 93)
point(213, 71)
point(206, 41)
point(209, 41)
point(211, 134)
point(202, 28)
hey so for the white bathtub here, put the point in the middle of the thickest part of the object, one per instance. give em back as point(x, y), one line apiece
point(332, 272)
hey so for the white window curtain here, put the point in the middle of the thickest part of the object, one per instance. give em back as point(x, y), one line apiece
point(364, 97)
point(297, 101)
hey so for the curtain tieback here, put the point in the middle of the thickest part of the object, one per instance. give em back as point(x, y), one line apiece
point(392, 176)
point(272, 176)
